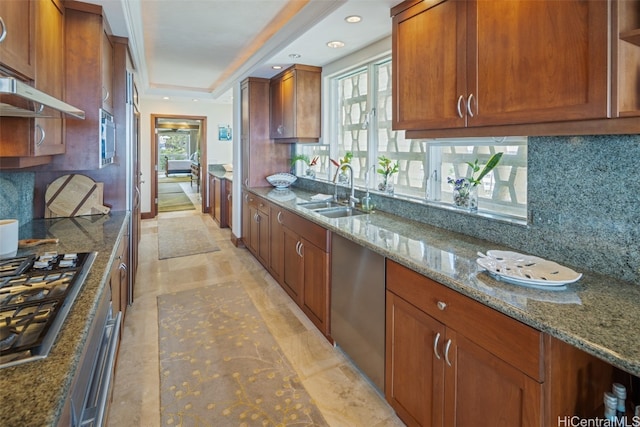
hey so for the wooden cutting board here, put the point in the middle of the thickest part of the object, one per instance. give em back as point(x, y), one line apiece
point(75, 195)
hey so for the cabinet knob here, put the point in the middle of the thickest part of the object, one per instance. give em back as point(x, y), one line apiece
point(3, 34)
point(441, 305)
point(435, 345)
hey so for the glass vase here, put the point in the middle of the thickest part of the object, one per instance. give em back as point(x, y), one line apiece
point(386, 185)
point(310, 173)
point(466, 198)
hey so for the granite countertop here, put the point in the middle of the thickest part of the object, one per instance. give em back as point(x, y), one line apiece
point(33, 393)
point(598, 314)
point(220, 172)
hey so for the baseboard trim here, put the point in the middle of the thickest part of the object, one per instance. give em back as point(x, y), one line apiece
point(237, 241)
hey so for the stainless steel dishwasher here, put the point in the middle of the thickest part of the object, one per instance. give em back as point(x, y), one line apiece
point(358, 306)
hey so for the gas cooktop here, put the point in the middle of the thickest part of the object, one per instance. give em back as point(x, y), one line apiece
point(36, 294)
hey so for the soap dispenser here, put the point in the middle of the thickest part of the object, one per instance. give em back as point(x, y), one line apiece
point(367, 203)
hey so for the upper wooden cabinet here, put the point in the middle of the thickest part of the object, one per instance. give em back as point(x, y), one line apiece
point(89, 84)
point(260, 157)
point(507, 62)
point(295, 104)
point(28, 142)
point(50, 73)
point(499, 62)
point(17, 32)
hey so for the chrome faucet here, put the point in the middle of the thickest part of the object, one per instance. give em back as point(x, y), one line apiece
point(352, 198)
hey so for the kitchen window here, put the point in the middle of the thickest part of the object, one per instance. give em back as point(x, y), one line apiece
point(360, 123)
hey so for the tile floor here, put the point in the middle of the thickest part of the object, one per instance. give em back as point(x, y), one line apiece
point(344, 396)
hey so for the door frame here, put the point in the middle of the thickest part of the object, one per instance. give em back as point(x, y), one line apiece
point(202, 146)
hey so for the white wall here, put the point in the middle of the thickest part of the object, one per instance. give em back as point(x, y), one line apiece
point(217, 151)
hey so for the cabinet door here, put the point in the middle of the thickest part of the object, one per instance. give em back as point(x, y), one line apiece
point(480, 386)
point(315, 294)
point(216, 206)
point(537, 61)
point(17, 51)
point(246, 220)
point(254, 230)
point(276, 127)
point(212, 196)
point(276, 260)
point(429, 66)
point(107, 73)
point(263, 247)
point(288, 104)
point(229, 201)
point(293, 279)
point(414, 368)
point(49, 74)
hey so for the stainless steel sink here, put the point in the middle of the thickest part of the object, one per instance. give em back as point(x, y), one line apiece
point(319, 204)
point(339, 212)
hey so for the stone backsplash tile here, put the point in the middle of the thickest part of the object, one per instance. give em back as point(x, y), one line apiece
point(16, 196)
point(583, 204)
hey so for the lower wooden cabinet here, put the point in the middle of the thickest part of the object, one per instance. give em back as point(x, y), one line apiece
point(305, 272)
point(295, 251)
point(119, 280)
point(258, 228)
point(452, 361)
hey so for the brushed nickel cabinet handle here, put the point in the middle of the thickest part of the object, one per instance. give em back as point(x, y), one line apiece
point(446, 352)
point(301, 250)
point(43, 135)
point(460, 104)
point(435, 345)
point(469, 103)
point(279, 217)
point(3, 34)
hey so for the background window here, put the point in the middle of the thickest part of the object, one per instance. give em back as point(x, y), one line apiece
point(361, 123)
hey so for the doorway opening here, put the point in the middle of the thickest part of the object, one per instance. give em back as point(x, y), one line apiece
point(178, 155)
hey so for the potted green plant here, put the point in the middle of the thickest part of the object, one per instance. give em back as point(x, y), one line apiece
point(386, 168)
point(465, 190)
point(309, 171)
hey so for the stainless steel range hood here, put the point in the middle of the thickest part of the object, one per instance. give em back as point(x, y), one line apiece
point(18, 99)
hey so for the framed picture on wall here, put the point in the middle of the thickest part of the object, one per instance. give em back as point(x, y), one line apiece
point(224, 132)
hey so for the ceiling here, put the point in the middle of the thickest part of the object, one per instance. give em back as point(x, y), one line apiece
point(198, 49)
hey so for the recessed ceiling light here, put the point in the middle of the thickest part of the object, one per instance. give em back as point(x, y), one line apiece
point(165, 98)
point(352, 19)
point(335, 44)
point(294, 55)
point(195, 99)
point(277, 67)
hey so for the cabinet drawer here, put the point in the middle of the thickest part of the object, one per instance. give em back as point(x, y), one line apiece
point(258, 203)
point(306, 229)
point(510, 340)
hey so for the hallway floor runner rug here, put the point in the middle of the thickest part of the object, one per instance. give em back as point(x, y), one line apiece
point(184, 236)
point(220, 365)
point(169, 187)
point(174, 201)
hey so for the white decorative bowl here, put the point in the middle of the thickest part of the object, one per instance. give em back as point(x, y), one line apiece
point(281, 180)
